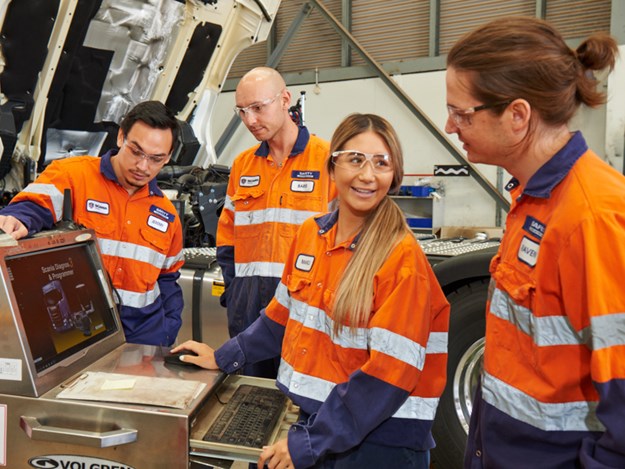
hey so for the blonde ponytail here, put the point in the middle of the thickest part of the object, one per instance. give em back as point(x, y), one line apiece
point(382, 231)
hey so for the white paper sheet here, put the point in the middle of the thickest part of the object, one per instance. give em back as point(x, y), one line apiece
point(112, 387)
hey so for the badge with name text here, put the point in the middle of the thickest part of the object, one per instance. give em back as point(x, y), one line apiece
point(95, 206)
point(304, 262)
point(158, 224)
point(302, 186)
point(249, 181)
point(528, 251)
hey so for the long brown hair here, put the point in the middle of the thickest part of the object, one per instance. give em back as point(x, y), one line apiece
point(523, 57)
point(383, 229)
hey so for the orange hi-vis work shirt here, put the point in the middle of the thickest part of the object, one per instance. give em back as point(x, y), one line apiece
point(139, 236)
point(264, 207)
point(553, 390)
point(380, 384)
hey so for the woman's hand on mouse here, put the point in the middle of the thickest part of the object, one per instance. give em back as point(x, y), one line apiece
point(205, 355)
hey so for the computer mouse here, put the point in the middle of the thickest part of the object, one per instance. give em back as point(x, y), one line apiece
point(174, 358)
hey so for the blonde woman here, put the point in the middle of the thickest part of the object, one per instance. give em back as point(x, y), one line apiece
point(358, 318)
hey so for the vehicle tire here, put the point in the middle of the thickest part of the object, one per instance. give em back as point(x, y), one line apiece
point(465, 349)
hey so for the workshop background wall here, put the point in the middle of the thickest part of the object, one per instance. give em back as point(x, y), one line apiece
point(466, 203)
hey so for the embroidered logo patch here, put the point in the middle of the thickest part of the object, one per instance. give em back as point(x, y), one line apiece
point(304, 262)
point(170, 217)
point(249, 181)
point(302, 186)
point(528, 251)
point(534, 227)
point(98, 207)
point(158, 223)
point(305, 174)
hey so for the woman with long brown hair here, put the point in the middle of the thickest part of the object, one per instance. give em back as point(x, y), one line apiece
point(358, 318)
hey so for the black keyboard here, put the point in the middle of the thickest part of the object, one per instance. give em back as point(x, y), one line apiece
point(248, 418)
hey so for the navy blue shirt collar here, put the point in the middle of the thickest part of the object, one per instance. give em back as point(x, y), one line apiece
point(326, 223)
point(106, 168)
point(300, 144)
point(553, 171)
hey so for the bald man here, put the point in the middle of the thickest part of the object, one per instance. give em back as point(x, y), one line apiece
point(274, 186)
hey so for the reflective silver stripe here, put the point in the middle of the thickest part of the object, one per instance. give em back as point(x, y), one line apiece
point(228, 205)
point(272, 215)
point(379, 339)
point(303, 385)
point(259, 269)
point(56, 197)
point(397, 346)
point(415, 407)
point(132, 251)
point(318, 389)
point(139, 300)
point(545, 331)
point(437, 342)
point(282, 295)
point(608, 330)
point(316, 318)
point(564, 416)
point(169, 261)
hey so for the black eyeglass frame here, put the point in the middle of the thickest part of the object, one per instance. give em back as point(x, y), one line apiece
point(457, 114)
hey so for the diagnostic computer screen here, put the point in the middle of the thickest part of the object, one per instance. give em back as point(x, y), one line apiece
point(61, 301)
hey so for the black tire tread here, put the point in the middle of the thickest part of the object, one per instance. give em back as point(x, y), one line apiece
point(467, 325)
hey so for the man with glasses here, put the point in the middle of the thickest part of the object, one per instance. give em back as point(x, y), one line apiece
point(139, 232)
point(273, 187)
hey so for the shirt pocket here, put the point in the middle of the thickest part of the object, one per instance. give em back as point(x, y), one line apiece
point(249, 212)
point(514, 301)
point(298, 287)
point(103, 225)
point(307, 305)
point(516, 283)
point(297, 208)
point(329, 297)
point(156, 241)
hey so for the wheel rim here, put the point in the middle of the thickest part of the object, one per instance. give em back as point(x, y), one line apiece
point(466, 379)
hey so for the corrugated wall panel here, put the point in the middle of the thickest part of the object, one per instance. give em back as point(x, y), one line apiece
point(396, 30)
point(251, 57)
point(579, 18)
point(392, 30)
point(316, 44)
point(458, 17)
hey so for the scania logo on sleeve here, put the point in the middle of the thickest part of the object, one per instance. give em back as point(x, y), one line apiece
point(68, 461)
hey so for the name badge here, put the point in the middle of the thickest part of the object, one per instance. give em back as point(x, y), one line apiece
point(302, 186)
point(158, 223)
point(249, 181)
point(304, 262)
point(528, 251)
point(98, 207)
